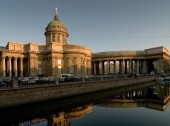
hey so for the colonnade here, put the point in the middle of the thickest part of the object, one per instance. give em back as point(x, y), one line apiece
point(136, 66)
point(139, 93)
point(56, 38)
point(51, 66)
point(12, 66)
point(163, 93)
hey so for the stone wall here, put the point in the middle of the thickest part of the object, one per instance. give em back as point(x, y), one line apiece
point(21, 96)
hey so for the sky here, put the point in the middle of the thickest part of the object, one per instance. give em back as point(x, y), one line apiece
point(102, 25)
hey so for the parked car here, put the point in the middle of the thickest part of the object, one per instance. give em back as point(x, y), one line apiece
point(65, 77)
point(52, 79)
point(26, 80)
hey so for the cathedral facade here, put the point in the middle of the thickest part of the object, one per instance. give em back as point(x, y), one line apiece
point(55, 57)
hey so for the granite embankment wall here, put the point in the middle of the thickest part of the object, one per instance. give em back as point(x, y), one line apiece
point(19, 96)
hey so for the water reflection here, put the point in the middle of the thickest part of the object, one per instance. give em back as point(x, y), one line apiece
point(60, 118)
point(62, 111)
point(153, 97)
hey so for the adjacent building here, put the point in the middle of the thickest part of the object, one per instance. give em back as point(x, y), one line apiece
point(149, 61)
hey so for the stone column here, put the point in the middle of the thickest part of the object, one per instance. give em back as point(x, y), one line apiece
point(125, 66)
point(108, 67)
point(15, 67)
point(21, 66)
point(137, 67)
point(76, 65)
point(3, 67)
point(141, 66)
point(94, 68)
point(59, 38)
point(145, 66)
point(9, 66)
point(130, 66)
point(122, 66)
point(31, 65)
point(103, 68)
point(100, 67)
point(37, 64)
point(114, 66)
point(62, 66)
point(53, 66)
point(83, 66)
point(89, 67)
point(97, 67)
point(162, 65)
point(56, 59)
point(55, 37)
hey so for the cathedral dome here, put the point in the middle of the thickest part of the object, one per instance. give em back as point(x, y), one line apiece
point(56, 31)
point(56, 25)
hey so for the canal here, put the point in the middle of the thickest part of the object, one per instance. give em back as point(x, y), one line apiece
point(140, 105)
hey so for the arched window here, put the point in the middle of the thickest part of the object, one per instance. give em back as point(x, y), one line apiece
point(53, 37)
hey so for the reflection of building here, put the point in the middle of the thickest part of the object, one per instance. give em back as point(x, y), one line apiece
point(55, 57)
point(156, 97)
point(63, 118)
point(79, 112)
point(34, 122)
point(60, 118)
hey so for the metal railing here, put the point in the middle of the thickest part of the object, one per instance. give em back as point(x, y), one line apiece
point(40, 83)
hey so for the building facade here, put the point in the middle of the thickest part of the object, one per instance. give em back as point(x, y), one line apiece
point(55, 57)
point(58, 56)
point(149, 61)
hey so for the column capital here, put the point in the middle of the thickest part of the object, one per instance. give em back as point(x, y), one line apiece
point(3, 58)
point(15, 58)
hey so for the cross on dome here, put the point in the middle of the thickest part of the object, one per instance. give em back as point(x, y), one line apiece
point(56, 17)
point(56, 11)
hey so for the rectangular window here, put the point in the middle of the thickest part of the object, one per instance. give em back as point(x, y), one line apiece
point(59, 62)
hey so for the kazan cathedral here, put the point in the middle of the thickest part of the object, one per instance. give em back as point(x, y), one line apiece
point(56, 57)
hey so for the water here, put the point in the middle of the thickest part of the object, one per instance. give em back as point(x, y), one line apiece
point(138, 116)
point(142, 105)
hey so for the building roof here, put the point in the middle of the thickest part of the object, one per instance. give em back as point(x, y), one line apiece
point(120, 53)
point(56, 24)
